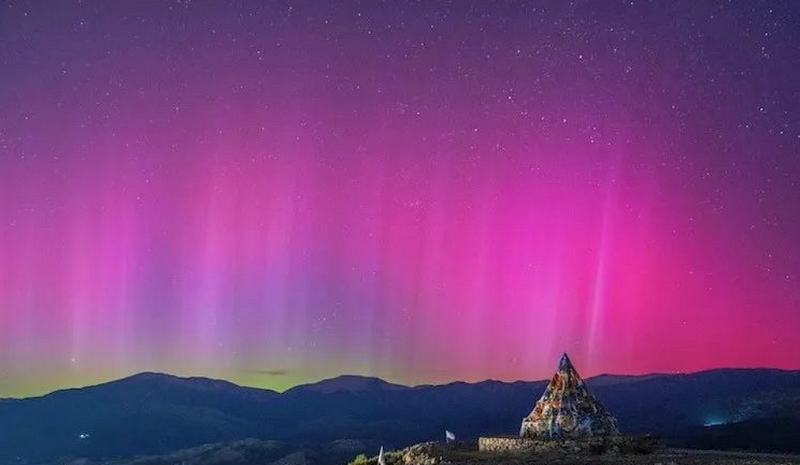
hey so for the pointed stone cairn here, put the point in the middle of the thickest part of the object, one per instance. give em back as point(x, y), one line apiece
point(568, 410)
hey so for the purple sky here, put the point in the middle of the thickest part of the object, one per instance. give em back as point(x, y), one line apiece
point(276, 192)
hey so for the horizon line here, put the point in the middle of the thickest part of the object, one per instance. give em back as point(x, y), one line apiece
point(414, 386)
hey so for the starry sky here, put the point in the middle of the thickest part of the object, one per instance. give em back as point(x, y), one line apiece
point(274, 192)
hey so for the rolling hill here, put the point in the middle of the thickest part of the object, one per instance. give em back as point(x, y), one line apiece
point(152, 414)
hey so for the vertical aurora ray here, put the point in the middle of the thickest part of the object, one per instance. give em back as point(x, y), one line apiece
point(418, 192)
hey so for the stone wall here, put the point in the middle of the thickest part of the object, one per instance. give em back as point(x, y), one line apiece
point(594, 445)
point(500, 444)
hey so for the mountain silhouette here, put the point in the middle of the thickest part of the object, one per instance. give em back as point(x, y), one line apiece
point(348, 383)
point(149, 414)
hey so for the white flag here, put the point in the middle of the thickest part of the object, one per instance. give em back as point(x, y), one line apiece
point(448, 436)
point(381, 460)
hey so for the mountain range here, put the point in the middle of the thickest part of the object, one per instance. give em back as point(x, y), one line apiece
point(152, 414)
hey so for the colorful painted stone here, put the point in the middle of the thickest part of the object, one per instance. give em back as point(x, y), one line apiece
point(567, 409)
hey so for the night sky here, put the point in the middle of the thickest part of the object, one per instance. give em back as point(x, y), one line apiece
point(274, 192)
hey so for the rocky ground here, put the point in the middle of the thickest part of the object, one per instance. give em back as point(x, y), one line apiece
point(467, 454)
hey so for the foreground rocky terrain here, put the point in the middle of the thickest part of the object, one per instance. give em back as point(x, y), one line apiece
point(246, 452)
point(256, 452)
point(468, 454)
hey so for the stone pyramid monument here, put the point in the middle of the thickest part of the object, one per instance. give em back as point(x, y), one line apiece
point(568, 410)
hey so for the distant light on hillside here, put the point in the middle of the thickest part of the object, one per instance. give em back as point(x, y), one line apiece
point(713, 421)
